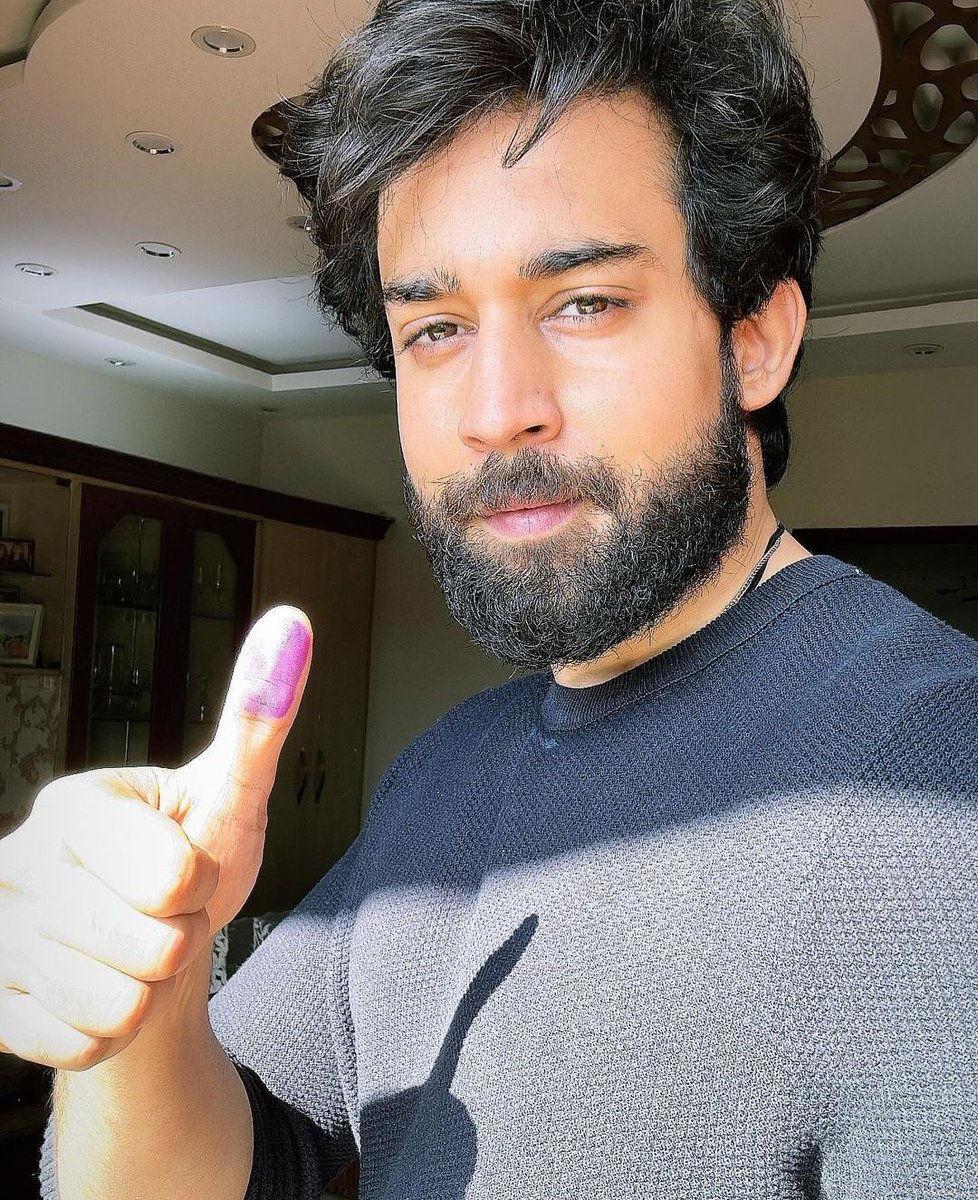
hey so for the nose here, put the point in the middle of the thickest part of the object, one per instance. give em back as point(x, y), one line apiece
point(508, 398)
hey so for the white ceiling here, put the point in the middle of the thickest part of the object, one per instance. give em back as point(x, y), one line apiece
point(97, 70)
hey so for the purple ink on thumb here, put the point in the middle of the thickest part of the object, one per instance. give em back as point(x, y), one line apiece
point(272, 673)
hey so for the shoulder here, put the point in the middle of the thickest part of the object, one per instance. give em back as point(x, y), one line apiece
point(892, 883)
point(902, 845)
point(887, 666)
point(929, 729)
point(915, 785)
point(879, 627)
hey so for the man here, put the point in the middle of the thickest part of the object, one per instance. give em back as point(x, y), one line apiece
point(691, 912)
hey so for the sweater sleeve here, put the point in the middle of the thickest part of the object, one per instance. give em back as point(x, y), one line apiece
point(283, 1019)
point(894, 996)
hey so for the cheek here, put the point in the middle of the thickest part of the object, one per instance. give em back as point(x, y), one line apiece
point(641, 403)
point(424, 429)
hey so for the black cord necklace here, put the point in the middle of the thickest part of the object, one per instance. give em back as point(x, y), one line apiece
point(755, 576)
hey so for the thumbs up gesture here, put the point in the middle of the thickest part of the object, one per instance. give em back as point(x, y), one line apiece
point(118, 879)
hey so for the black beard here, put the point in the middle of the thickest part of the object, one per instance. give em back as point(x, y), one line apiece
point(573, 596)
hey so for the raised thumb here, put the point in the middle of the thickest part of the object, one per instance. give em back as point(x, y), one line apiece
point(234, 775)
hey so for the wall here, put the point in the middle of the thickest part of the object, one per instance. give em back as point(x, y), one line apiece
point(870, 450)
point(42, 394)
point(896, 449)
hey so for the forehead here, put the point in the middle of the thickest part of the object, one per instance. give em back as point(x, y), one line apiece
point(603, 171)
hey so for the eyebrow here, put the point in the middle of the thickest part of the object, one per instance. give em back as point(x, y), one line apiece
point(548, 264)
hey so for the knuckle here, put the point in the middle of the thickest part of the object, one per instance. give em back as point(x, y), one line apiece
point(177, 878)
point(65, 791)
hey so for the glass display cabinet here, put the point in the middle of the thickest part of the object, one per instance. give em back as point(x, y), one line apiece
point(163, 600)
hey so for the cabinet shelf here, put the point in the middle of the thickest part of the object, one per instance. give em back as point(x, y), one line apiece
point(9, 669)
point(125, 607)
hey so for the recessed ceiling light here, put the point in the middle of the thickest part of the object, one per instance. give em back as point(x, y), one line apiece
point(923, 349)
point(9, 184)
point(158, 249)
point(39, 270)
point(300, 222)
point(222, 40)
point(120, 362)
point(151, 143)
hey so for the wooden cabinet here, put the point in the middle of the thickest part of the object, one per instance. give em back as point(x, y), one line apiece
point(314, 809)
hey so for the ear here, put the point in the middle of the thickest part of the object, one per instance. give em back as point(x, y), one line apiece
point(766, 344)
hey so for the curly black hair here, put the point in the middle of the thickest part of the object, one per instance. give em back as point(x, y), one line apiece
point(720, 74)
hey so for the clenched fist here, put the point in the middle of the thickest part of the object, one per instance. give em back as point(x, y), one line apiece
point(119, 879)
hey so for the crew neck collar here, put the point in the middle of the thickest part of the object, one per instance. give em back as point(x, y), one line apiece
point(567, 708)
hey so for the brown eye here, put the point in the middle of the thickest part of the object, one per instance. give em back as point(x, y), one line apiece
point(441, 331)
point(590, 306)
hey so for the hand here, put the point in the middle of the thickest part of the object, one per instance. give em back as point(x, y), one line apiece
point(119, 879)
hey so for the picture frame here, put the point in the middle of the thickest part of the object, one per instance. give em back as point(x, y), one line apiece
point(17, 554)
point(20, 634)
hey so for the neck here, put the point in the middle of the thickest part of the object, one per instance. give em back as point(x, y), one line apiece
point(699, 608)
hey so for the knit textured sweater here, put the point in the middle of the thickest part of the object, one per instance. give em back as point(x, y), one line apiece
point(706, 931)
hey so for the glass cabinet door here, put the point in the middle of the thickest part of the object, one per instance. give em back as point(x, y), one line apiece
point(162, 601)
point(214, 620)
point(127, 599)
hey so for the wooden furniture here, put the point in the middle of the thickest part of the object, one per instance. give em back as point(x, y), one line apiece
point(314, 809)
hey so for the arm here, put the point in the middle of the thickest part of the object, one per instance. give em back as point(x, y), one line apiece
point(180, 1101)
point(249, 1088)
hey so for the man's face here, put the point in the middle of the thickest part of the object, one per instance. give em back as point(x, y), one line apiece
point(576, 456)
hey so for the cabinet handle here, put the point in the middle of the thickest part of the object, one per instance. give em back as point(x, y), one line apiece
point(321, 782)
point(302, 776)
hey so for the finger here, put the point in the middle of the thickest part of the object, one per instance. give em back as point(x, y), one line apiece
point(28, 1030)
point(262, 700)
point(119, 835)
point(89, 917)
point(87, 995)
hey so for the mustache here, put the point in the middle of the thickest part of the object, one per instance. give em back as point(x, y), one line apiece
point(529, 477)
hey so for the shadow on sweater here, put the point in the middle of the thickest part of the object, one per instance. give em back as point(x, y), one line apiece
point(446, 1169)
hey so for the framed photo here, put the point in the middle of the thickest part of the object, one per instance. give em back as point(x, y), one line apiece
point(16, 554)
point(4, 518)
point(20, 634)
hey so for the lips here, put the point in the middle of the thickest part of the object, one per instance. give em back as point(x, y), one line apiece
point(528, 522)
point(522, 505)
